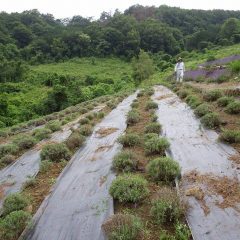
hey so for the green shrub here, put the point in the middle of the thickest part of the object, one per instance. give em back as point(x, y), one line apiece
point(166, 236)
point(149, 92)
point(182, 231)
point(83, 110)
point(7, 159)
point(153, 128)
point(55, 152)
point(75, 140)
point(193, 101)
point(230, 136)
point(133, 117)
point(125, 161)
point(24, 141)
point(129, 188)
point(8, 149)
point(53, 126)
point(149, 136)
point(90, 116)
point(101, 115)
point(13, 224)
point(151, 105)
point(154, 118)
point(140, 94)
point(111, 104)
point(212, 95)
point(224, 101)
point(45, 166)
point(123, 227)
point(233, 107)
point(167, 208)
point(4, 133)
point(156, 146)
point(211, 120)
point(202, 110)
point(235, 66)
point(163, 169)
point(86, 130)
point(134, 104)
point(182, 93)
point(84, 121)
point(30, 182)
point(42, 133)
point(14, 202)
point(129, 140)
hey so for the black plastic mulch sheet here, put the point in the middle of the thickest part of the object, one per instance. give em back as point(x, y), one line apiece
point(196, 148)
point(80, 201)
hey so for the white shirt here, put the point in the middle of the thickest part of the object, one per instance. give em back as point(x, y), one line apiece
point(180, 66)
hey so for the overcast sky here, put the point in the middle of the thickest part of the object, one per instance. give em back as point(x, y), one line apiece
point(93, 8)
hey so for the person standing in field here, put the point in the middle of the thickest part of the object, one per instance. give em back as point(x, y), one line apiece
point(179, 70)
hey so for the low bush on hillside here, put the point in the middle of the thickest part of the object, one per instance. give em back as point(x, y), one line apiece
point(90, 116)
point(42, 133)
point(140, 94)
point(45, 166)
point(202, 110)
point(149, 136)
point(6, 160)
point(230, 136)
point(233, 107)
point(163, 169)
point(125, 161)
point(31, 182)
point(86, 130)
point(24, 141)
point(101, 115)
point(182, 231)
point(123, 227)
point(129, 188)
point(84, 121)
point(149, 92)
point(129, 140)
point(76, 140)
point(55, 152)
point(8, 149)
point(151, 105)
point(212, 95)
point(154, 118)
point(14, 202)
point(54, 126)
point(111, 104)
point(183, 93)
point(83, 110)
point(13, 224)
point(224, 101)
point(211, 120)
point(167, 208)
point(134, 104)
point(153, 128)
point(235, 66)
point(193, 101)
point(133, 117)
point(156, 145)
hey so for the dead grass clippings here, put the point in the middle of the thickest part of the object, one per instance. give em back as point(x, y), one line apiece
point(103, 132)
point(165, 96)
point(103, 148)
point(2, 188)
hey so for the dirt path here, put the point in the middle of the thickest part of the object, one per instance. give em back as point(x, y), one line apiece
point(15, 175)
point(80, 201)
point(208, 174)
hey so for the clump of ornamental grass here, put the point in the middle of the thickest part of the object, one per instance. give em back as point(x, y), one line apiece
point(202, 110)
point(125, 161)
point(224, 101)
point(230, 136)
point(211, 120)
point(233, 107)
point(6, 160)
point(134, 104)
point(8, 149)
point(167, 207)
point(45, 166)
point(151, 105)
point(153, 127)
point(212, 95)
point(129, 188)
point(163, 169)
point(154, 117)
point(182, 93)
point(123, 227)
point(55, 152)
point(156, 145)
point(24, 141)
point(133, 117)
point(54, 126)
point(83, 110)
point(42, 133)
point(193, 101)
point(90, 116)
point(129, 140)
point(100, 115)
